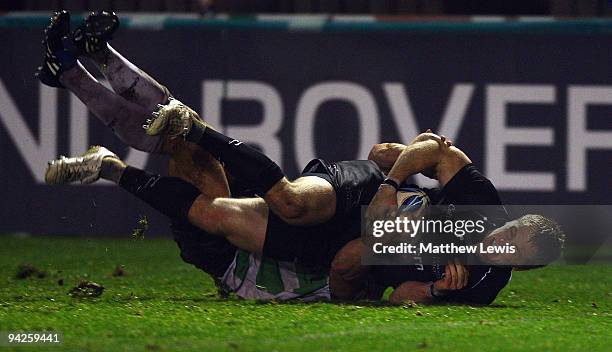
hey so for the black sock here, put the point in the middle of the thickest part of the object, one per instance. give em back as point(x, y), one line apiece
point(171, 196)
point(243, 162)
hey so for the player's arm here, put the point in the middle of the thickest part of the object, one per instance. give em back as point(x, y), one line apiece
point(419, 292)
point(385, 155)
point(484, 291)
point(429, 152)
point(456, 277)
point(431, 156)
point(347, 276)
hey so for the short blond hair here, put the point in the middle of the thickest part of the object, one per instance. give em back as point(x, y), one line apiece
point(548, 238)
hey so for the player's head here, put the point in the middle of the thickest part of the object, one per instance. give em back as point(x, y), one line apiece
point(537, 241)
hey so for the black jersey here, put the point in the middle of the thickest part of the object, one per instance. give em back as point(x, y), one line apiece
point(467, 187)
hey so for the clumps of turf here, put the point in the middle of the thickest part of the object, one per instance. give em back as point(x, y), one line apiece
point(119, 271)
point(27, 270)
point(139, 231)
point(86, 289)
point(409, 304)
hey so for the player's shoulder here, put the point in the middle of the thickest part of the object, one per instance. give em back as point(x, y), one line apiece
point(470, 186)
point(469, 173)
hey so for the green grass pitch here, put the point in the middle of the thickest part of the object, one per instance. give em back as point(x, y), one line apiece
point(163, 304)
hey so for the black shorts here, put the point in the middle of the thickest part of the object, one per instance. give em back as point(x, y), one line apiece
point(207, 252)
point(355, 183)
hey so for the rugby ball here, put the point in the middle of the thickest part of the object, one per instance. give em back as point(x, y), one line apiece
point(413, 199)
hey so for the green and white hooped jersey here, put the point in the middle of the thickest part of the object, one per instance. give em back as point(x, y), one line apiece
point(252, 276)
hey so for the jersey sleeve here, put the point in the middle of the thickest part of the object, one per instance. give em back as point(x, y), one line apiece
point(469, 186)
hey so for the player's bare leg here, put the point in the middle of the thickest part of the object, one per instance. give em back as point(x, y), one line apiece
point(243, 222)
point(308, 200)
point(197, 167)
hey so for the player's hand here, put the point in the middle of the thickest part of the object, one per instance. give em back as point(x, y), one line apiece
point(429, 135)
point(455, 277)
point(446, 141)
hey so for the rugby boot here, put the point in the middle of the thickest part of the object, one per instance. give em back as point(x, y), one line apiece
point(97, 29)
point(84, 168)
point(57, 55)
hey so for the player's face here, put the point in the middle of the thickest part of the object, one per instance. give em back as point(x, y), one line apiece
point(511, 234)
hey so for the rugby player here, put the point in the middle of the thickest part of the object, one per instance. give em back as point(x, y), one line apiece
point(538, 240)
point(135, 95)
